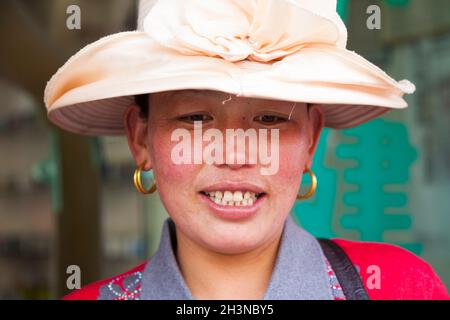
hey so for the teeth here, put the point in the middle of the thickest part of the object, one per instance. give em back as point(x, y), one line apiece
point(237, 196)
point(229, 198)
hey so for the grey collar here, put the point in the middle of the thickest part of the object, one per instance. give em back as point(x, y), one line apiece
point(300, 272)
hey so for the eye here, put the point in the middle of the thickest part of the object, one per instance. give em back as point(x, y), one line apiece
point(270, 119)
point(191, 118)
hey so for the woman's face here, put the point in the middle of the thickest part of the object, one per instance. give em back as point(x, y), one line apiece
point(232, 205)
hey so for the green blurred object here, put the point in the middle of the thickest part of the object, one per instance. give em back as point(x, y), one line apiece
point(47, 171)
point(398, 3)
point(343, 8)
point(316, 215)
point(147, 178)
point(383, 157)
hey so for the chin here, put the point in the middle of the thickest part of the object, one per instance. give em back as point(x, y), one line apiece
point(232, 247)
point(229, 238)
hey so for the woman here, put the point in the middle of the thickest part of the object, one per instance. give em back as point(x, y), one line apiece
point(195, 77)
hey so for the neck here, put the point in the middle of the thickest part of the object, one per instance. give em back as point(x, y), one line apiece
point(212, 275)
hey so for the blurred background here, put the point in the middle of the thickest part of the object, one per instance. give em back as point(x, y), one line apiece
point(70, 200)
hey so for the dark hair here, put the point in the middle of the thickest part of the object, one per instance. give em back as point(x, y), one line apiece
point(142, 101)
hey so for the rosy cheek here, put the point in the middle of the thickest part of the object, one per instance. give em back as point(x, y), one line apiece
point(164, 166)
point(293, 156)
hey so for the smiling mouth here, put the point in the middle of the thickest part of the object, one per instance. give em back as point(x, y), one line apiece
point(242, 198)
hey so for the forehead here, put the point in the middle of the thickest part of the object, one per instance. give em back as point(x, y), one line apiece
point(222, 96)
point(196, 93)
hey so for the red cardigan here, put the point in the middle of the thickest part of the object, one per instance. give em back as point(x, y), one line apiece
point(403, 275)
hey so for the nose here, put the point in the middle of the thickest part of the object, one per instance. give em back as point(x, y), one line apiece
point(240, 151)
point(235, 160)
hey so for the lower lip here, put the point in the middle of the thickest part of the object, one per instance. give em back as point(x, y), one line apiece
point(234, 212)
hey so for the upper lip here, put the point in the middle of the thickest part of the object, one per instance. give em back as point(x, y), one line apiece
point(234, 186)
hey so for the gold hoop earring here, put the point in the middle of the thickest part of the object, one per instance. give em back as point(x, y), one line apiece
point(312, 189)
point(138, 182)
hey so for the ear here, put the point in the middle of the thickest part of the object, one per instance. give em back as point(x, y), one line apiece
point(137, 135)
point(316, 122)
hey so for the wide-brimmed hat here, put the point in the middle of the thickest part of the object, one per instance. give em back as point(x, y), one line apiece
point(290, 50)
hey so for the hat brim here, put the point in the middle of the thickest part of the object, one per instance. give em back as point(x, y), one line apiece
point(90, 93)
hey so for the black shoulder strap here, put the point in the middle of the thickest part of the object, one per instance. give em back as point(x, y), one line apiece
point(344, 269)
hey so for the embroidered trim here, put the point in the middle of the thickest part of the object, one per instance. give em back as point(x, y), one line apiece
point(125, 287)
point(129, 287)
point(336, 288)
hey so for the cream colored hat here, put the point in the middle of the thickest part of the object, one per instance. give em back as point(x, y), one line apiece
point(292, 50)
